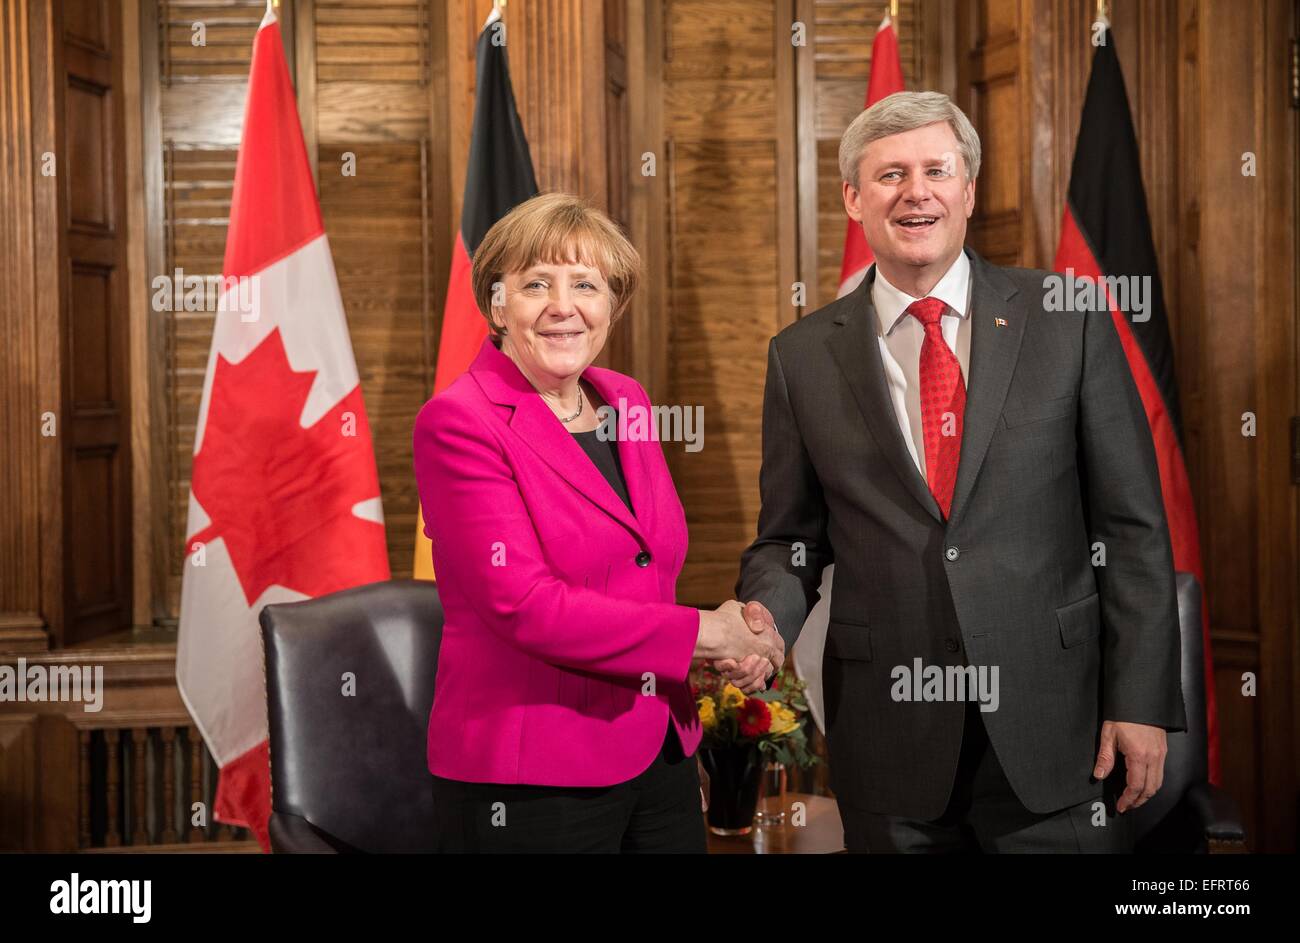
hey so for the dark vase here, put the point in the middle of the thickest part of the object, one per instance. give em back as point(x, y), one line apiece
point(733, 787)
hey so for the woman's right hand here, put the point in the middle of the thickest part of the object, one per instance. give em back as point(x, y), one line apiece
point(724, 633)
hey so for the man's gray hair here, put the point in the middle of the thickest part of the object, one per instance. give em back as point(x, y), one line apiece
point(907, 111)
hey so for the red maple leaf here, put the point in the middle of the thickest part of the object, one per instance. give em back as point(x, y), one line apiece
point(279, 495)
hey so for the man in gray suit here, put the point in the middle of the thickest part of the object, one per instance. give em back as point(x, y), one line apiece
point(979, 468)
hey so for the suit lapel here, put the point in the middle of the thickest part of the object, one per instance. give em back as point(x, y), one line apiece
point(856, 349)
point(533, 421)
point(994, 350)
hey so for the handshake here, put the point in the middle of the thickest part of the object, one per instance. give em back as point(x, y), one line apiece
point(742, 642)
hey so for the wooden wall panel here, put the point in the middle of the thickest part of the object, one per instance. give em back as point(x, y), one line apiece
point(377, 223)
point(727, 123)
point(1236, 275)
point(30, 485)
point(227, 48)
point(95, 432)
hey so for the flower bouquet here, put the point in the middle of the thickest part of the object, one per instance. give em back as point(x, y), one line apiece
point(743, 734)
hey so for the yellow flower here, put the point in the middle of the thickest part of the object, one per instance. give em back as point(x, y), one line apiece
point(708, 717)
point(784, 719)
point(732, 696)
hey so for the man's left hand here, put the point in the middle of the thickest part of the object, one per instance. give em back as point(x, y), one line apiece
point(1144, 748)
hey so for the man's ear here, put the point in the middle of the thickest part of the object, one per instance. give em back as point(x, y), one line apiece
point(969, 198)
point(852, 201)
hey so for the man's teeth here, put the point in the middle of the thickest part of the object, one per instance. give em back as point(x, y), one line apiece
point(914, 221)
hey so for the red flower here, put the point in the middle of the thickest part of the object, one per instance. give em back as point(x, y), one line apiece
point(755, 719)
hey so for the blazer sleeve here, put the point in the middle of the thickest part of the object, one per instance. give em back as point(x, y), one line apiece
point(781, 576)
point(473, 509)
point(1125, 508)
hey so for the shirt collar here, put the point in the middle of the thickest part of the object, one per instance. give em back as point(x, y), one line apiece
point(953, 290)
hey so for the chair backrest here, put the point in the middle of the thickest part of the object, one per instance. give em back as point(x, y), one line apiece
point(1159, 821)
point(349, 683)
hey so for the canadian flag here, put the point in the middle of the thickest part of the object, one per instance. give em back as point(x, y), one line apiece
point(284, 496)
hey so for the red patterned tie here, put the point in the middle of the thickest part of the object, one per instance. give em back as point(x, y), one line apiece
point(943, 402)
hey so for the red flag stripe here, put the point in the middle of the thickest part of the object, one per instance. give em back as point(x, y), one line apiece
point(463, 326)
point(273, 183)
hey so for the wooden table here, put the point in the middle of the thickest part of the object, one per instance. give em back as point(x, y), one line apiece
point(821, 834)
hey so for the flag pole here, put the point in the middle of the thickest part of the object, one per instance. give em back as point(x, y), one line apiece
point(893, 11)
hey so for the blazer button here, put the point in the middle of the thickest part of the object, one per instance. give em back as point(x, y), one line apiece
point(643, 558)
point(952, 553)
point(951, 644)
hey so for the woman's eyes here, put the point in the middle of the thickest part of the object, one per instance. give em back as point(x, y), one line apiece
point(539, 284)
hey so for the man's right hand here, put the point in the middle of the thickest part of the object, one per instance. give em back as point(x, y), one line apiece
point(750, 674)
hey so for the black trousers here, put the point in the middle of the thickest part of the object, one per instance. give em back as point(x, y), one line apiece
point(657, 811)
point(984, 815)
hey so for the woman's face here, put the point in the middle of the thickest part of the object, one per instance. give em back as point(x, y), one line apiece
point(556, 317)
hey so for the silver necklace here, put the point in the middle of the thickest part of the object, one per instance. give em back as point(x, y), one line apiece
point(578, 413)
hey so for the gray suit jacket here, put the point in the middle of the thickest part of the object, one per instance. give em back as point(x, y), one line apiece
point(1056, 455)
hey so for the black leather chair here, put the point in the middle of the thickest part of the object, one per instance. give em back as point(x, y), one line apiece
point(348, 773)
point(1189, 814)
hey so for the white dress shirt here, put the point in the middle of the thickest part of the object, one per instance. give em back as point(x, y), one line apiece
point(900, 336)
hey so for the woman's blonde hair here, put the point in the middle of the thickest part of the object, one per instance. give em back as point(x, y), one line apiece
point(555, 228)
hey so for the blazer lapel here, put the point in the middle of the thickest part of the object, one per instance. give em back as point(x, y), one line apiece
point(994, 350)
point(534, 422)
point(856, 349)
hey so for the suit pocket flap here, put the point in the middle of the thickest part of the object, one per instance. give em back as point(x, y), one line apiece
point(1023, 413)
point(1080, 621)
point(849, 642)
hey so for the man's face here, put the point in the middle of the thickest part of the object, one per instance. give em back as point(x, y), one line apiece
point(913, 198)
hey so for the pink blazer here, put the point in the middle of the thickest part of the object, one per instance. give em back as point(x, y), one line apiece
point(563, 653)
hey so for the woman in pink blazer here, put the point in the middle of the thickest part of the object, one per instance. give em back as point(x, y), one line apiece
point(562, 717)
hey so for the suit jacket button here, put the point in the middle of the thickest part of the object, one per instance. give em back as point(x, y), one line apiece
point(951, 644)
point(952, 553)
point(643, 558)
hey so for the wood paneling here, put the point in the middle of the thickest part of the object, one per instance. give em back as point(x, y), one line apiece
point(727, 159)
point(377, 223)
point(30, 495)
point(95, 321)
point(227, 49)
